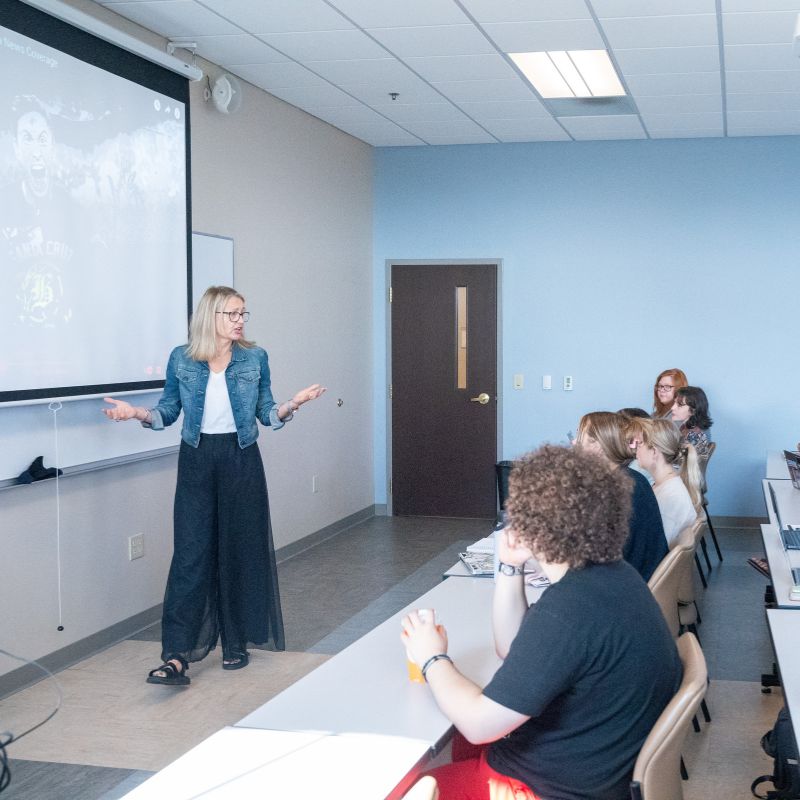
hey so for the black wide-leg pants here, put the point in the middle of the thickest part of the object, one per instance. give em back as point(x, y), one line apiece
point(223, 581)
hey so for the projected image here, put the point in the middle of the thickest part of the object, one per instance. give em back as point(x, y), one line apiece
point(92, 222)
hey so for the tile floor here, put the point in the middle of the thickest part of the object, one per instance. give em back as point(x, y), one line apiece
point(335, 592)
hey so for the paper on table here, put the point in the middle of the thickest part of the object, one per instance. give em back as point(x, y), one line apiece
point(485, 545)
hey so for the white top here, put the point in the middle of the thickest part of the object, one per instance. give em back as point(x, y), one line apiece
point(675, 504)
point(217, 411)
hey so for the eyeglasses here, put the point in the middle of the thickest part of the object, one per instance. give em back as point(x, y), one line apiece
point(235, 316)
point(679, 403)
point(664, 387)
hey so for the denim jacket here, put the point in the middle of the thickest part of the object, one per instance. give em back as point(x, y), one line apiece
point(247, 377)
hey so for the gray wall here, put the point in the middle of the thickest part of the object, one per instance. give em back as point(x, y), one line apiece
point(296, 196)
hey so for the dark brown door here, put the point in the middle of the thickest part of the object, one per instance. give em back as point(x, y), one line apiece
point(444, 354)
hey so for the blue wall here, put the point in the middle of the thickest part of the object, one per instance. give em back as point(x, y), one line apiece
point(619, 259)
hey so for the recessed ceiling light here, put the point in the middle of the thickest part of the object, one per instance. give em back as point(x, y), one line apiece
point(570, 73)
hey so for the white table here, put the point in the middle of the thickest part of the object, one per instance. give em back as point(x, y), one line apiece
point(237, 763)
point(788, 500)
point(784, 627)
point(776, 466)
point(780, 561)
point(365, 688)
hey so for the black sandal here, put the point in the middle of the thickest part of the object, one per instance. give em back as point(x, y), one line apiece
point(173, 676)
point(235, 659)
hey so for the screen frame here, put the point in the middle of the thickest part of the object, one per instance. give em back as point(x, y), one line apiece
point(55, 33)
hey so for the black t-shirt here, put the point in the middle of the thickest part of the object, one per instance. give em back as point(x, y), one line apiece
point(594, 665)
point(646, 545)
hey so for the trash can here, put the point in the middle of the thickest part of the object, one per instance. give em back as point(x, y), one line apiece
point(503, 470)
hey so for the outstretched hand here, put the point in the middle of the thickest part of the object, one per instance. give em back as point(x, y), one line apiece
point(309, 393)
point(121, 410)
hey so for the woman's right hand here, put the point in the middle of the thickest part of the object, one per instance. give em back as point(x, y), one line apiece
point(121, 410)
point(510, 549)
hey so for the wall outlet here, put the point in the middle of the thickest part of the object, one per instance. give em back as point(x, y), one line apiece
point(568, 383)
point(314, 484)
point(135, 546)
point(519, 381)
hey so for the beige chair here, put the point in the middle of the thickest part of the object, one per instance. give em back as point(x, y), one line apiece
point(657, 771)
point(669, 575)
point(703, 467)
point(424, 789)
point(688, 613)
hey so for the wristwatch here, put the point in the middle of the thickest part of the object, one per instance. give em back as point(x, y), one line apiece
point(509, 569)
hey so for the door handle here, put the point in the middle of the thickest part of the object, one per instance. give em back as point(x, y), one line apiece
point(482, 398)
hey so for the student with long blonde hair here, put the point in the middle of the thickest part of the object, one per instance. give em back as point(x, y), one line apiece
point(676, 473)
point(603, 432)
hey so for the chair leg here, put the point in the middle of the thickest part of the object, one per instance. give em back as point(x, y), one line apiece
point(704, 547)
point(695, 724)
point(684, 773)
point(713, 535)
point(700, 570)
point(697, 611)
point(704, 709)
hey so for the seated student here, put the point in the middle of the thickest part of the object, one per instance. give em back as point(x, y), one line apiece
point(603, 432)
point(690, 411)
point(664, 391)
point(633, 443)
point(678, 480)
point(587, 670)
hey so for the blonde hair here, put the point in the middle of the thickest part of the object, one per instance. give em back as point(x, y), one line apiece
point(607, 428)
point(664, 436)
point(203, 327)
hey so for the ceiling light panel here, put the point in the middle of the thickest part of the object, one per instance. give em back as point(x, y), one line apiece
point(570, 73)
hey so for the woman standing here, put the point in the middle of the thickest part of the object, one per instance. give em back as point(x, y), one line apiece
point(664, 390)
point(602, 432)
point(677, 478)
point(690, 411)
point(223, 581)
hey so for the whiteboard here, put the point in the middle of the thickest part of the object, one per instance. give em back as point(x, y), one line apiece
point(78, 434)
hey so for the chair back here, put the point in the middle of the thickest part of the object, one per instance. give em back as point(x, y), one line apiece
point(656, 773)
point(668, 577)
point(425, 788)
point(690, 537)
point(703, 462)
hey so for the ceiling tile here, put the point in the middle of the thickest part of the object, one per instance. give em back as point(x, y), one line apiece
point(456, 127)
point(762, 81)
point(403, 113)
point(527, 130)
point(278, 75)
point(787, 130)
point(308, 96)
point(410, 89)
point(377, 70)
point(673, 31)
point(759, 5)
point(679, 104)
point(684, 83)
point(408, 13)
point(175, 18)
point(761, 56)
point(525, 37)
point(350, 115)
point(661, 60)
point(384, 134)
point(605, 127)
point(435, 40)
point(462, 68)
point(651, 8)
point(754, 119)
point(677, 122)
point(467, 138)
point(325, 45)
point(280, 16)
point(772, 101)
point(687, 134)
point(237, 48)
point(505, 109)
point(471, 91)
point(775, 27)
point(525, 10)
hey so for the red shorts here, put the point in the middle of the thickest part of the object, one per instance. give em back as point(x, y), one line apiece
point(470, 777)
